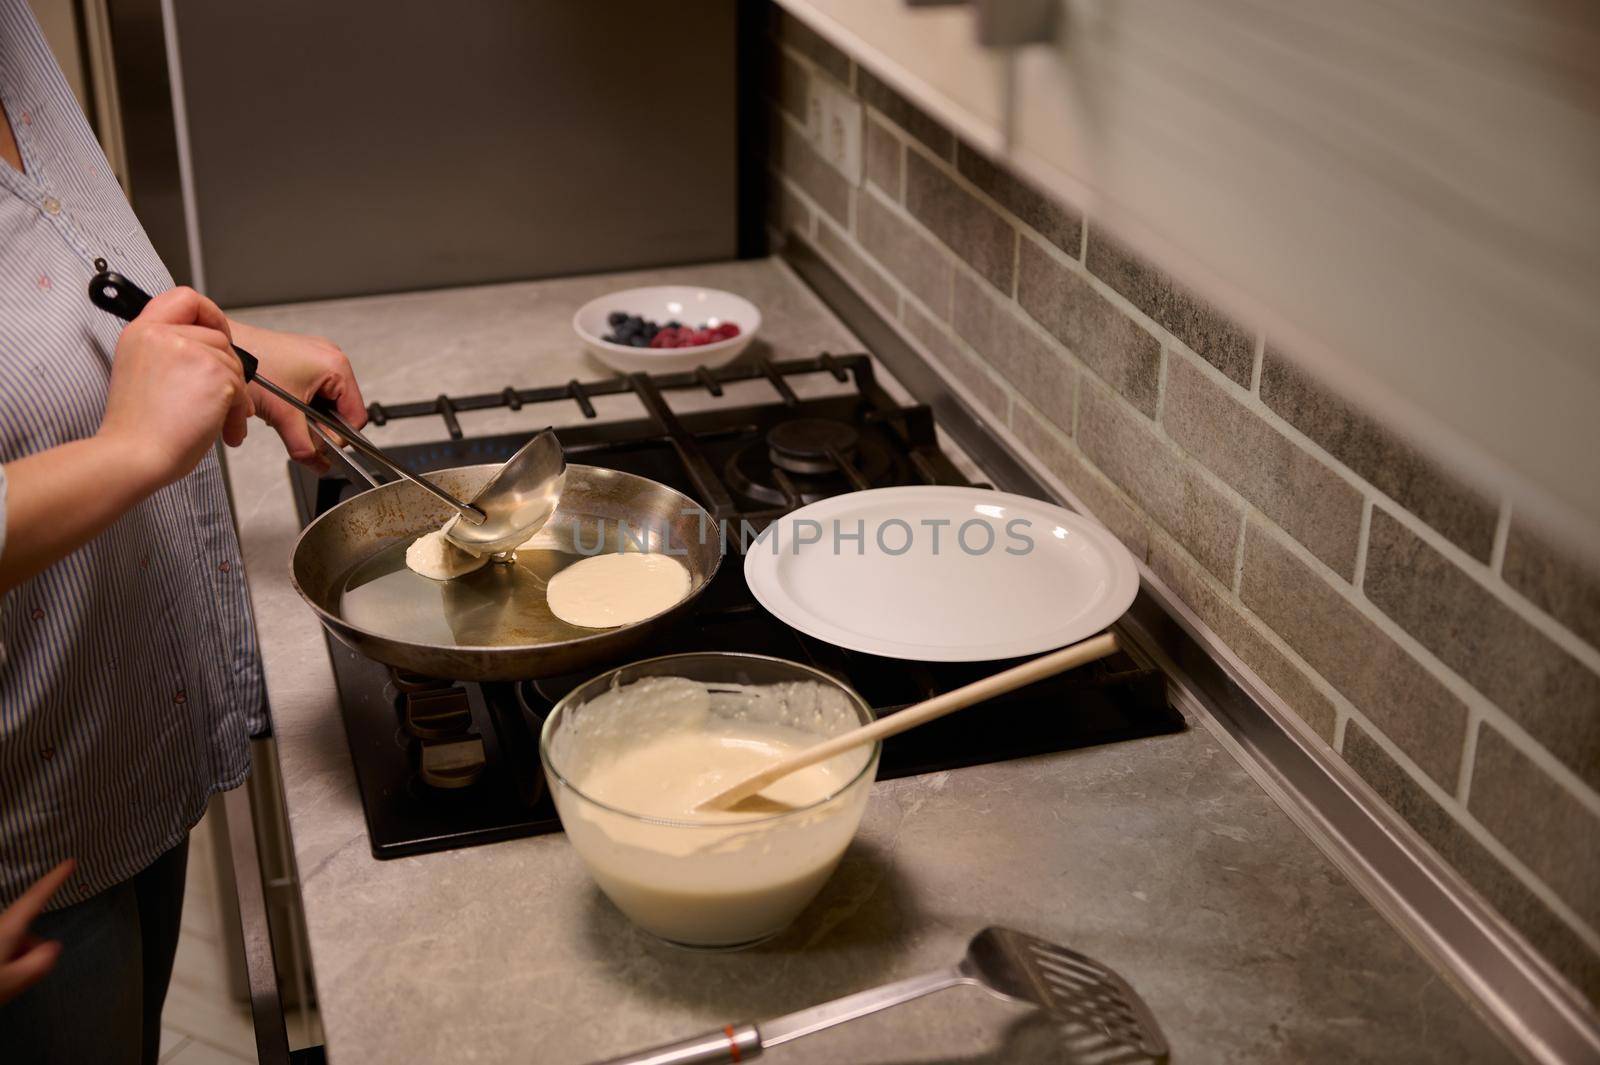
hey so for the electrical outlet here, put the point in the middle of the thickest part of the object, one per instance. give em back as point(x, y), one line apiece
point(836, 128)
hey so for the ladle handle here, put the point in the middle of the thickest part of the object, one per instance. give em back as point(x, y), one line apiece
point(110, 291)
point(336, 451)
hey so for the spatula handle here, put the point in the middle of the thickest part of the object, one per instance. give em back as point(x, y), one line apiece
point(735, 1042)
point(976, 692)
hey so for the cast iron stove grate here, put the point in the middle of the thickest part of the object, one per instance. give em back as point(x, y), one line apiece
point(442, 764)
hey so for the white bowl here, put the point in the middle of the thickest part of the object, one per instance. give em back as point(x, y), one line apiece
point(687, 304)
point(714, 884)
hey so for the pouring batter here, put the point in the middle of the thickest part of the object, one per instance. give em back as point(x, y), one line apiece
point(435, 557)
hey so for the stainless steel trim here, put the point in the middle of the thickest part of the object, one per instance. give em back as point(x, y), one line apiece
point(266, 1008)
point(148, 138)
point(100, 65)
point(1518, 993)
point(180, 128)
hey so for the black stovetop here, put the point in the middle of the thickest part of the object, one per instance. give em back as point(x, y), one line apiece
point(444, 765)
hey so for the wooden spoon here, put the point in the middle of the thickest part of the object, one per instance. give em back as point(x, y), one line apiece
point(976, 692)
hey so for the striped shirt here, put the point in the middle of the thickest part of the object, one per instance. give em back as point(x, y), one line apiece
point(131, 677)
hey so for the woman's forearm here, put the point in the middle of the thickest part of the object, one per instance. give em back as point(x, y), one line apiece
point(175, 387)
point(58, 500)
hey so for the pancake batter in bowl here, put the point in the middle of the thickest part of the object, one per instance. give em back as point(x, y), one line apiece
point(653, 751)
point(672, 775)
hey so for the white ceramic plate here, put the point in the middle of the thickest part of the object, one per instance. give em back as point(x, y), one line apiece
point(1010, 575)
point(664, 303)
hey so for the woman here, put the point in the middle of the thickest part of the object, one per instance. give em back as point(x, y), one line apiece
point(130, 679)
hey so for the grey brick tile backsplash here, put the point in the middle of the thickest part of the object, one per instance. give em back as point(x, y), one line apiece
point(809, 43)
point(1554, 580)
point(1124, 355)
point(1358, 658)
point(908, 255)
point(1127, 449)
point(789, 85)
point(932, 337)
point(785, 210)
point(825, 185)
point(1464, 515)
point(1206, 331)
point(1549, 693)
point(1539, 821)
point(981, 238)
point(1037, 370)
point(1292, 486)
point(867, 277)
point(1525, 910)
point(905, 114)
point(1249, 507)
point(1282, 676)
point(1048, 444)
point(1054, 222)
point(883, 153)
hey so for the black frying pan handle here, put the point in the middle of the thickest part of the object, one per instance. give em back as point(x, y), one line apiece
point(110, 291)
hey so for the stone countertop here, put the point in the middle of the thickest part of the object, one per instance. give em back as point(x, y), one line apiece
point(1160, 857)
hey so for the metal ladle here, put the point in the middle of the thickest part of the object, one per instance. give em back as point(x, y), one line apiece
point(511, 507)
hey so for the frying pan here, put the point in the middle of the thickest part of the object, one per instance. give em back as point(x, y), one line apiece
point(493, 624)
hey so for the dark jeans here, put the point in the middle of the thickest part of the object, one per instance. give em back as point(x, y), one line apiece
point(102, 1002)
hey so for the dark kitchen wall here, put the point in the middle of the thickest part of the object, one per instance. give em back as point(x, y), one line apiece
point(367, 146)
point(1424, 632)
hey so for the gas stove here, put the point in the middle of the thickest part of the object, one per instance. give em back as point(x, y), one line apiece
point(445, 764)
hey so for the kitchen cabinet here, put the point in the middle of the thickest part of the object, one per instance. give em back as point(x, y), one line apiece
point(419, 147)
point(1402, 197)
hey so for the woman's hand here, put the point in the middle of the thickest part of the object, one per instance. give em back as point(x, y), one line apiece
point(25, 959)
point(305, 366)
point(175, 386)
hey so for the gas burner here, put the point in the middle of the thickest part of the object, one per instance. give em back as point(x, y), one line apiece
point(812, 445)
point(799, 462)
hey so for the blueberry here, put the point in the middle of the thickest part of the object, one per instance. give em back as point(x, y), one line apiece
point(616, 318)
point(640, 342)
point(674, 324)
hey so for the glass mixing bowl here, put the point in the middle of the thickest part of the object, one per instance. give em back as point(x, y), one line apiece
point(720, 885)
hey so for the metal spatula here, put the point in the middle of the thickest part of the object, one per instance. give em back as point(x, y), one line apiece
point(1101, 1018)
